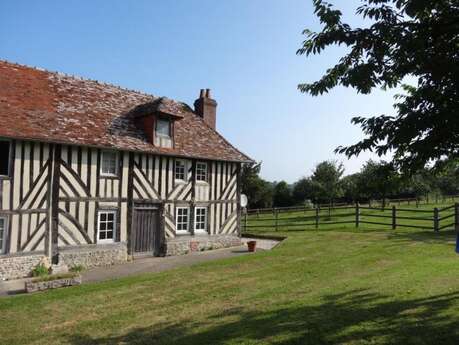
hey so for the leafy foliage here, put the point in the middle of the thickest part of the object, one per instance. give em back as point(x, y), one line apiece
point(326, 181)
point(282, 196)
point(407, 38)
point(259, 192)
point(40, 271)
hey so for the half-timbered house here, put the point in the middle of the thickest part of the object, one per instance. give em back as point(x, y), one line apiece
point(93, 174)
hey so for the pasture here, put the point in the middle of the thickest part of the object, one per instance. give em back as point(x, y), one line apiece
point(335, 286)
point(421, 216)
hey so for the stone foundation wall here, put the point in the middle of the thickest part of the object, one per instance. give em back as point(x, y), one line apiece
point(185, 244)
point(94, 255)
point(18, 266)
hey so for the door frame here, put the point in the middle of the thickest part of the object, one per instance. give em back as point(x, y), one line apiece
point(159, 247)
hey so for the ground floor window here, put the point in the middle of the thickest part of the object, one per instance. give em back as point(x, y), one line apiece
point(182, 219)
point(200, 219)
point(2, 234)
point(107, 226)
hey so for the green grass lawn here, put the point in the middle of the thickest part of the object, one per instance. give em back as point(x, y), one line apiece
point(317, 287)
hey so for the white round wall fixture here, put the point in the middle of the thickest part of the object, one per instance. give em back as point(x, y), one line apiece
point(244, 200)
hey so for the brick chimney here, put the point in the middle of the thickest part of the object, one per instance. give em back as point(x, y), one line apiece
point(206, 107)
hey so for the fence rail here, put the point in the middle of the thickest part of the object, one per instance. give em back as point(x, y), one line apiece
point(435, 219)
point(372, 204)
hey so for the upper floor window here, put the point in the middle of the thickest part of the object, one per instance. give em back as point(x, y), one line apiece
point(163, 128)
point(107, 226)
point(2, 235)
point(180, 169)
point(201, 171)
point(109, 165)
point(4, 157)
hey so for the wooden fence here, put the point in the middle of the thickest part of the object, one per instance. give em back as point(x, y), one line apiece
point(435, 219)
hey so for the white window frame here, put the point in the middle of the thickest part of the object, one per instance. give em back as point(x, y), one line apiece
point(106, 240)
point(3, 235)
point(185, 170)
point(187, 231)
point(102, 173)
point(161, 134)
point(206, 172)
point(201, 230)
point(9, 158)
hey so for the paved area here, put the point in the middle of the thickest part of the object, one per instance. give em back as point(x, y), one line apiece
point(152, 264)
point(262, 243)
point(149, 264)
point(13, 287)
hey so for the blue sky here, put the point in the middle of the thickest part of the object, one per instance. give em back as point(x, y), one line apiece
point(244, 50)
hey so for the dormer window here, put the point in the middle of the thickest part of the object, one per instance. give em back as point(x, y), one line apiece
point(163, 133)
point(163, 128)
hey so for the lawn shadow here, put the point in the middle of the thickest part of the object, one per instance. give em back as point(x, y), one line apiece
point(430, 237)
point(352, 317)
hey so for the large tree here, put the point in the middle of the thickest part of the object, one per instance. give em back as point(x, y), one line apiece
point(259, 192)
point(282, 195)
point(379, 180)
point(326, 181)
point(407, 38)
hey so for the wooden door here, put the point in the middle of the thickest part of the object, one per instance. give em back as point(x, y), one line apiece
point(146, 230)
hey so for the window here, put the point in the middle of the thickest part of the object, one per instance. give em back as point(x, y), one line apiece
point(180, 170)
point(109, 166)
point(181, 220)
point(107, 226)
point(200, 219)
point(163, 128)
point(2, 234)
point(4, 158)
point(201, 171)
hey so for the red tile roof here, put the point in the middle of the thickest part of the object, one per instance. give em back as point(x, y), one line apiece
point(47, 106)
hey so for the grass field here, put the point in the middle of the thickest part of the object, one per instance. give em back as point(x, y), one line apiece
point(337, 286)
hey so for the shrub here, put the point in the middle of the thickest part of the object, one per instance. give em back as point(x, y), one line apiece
point(77, 268)
point(40, 271)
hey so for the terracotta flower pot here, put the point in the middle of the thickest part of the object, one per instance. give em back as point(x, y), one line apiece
point(252, 245)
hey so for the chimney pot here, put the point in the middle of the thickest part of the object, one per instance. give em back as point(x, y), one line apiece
point(208, 93)
point(202, 94)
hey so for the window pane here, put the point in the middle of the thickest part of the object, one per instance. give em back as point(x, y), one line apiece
point(163, 127)
point(4, 157)
point(109, 162)
point(201, 171)
point(179, 170)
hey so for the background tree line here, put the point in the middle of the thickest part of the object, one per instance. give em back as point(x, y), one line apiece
point(327, 184)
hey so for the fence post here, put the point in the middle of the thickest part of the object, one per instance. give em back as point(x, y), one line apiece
point(276, 213)
point(456, 217)
point(245, 221)
point(417, 202)
point(258, 213)
point(357, 214)
point(394, 217)
point(436, 219)
point(317, 217)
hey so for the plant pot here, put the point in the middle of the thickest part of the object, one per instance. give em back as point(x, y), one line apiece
point(252, 246)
